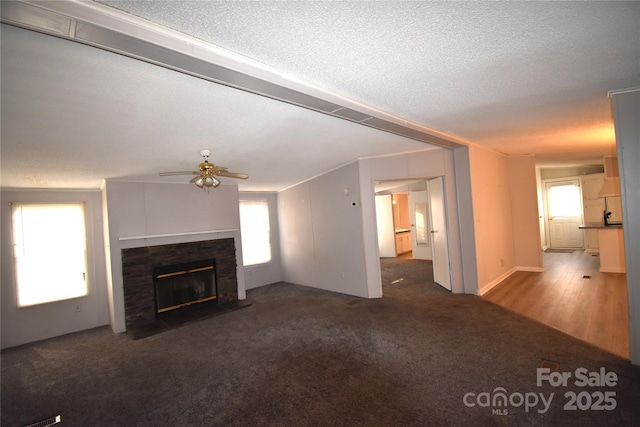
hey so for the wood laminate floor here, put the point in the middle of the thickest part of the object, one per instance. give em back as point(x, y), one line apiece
point(571, 295)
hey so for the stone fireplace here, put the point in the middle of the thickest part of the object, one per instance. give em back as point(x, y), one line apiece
point(142, 265)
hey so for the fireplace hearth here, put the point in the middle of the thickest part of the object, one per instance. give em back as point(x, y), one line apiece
point(142, 265)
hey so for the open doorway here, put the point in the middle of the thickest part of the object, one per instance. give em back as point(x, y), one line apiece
point(411, 223)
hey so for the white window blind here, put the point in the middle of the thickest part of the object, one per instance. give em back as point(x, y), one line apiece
point(49, 251)
point(256, 234)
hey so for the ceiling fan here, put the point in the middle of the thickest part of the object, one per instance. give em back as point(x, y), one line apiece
point(205, 176)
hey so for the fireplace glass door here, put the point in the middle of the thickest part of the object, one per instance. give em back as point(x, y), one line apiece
point(183, 285)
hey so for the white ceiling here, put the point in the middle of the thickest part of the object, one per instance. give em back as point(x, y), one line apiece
point(520, 78)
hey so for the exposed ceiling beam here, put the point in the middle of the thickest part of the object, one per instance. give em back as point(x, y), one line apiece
point(96, 25)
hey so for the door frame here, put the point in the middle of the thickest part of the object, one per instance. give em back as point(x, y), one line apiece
point(446, 220)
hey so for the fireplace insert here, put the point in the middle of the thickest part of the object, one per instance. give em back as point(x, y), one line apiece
point(183, 285)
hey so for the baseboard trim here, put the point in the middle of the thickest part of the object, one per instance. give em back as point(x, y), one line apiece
point(486, 288)
point(613, 270)
point(531, 269)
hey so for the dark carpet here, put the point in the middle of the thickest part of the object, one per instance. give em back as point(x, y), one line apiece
point(306, 357)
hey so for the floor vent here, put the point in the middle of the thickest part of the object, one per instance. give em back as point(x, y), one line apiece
point(586, 277)
point(46, 423)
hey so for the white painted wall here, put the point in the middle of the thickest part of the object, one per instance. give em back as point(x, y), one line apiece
point(270, 272)
point(626, 111)
point(178, 213)
point(27, 324)
point(321, 233)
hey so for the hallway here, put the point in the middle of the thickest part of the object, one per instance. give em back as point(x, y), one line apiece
point(571, 295)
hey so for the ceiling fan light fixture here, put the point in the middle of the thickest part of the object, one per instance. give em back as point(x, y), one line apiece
point(205, 176)
point(207, 180)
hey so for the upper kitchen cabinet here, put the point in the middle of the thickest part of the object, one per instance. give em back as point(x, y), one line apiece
point(593, 207)
point(611, 167)
point(611, 184)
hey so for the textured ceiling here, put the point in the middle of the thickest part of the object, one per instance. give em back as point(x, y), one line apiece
point(520, 78)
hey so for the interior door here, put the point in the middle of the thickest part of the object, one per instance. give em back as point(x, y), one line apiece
point(564, 213)
point(420, 231)
point(384, 222)
point(438, 232)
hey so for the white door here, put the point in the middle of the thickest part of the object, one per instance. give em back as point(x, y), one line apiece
point(439, 240)
point(384, 222)
point(419, 217)
point(564, 213)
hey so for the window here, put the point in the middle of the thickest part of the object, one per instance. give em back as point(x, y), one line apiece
point(564, 201)
point(50, 252)
point(254, 222)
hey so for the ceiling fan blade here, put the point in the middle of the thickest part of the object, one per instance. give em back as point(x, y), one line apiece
point(178, 173)
point(232, 174)
point(205, 176)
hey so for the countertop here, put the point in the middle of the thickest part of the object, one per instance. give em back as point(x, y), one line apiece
point(599, 225)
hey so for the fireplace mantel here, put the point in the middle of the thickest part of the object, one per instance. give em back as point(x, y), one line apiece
point(189, 233)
